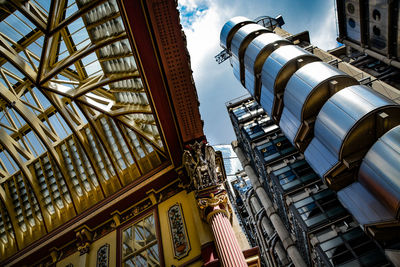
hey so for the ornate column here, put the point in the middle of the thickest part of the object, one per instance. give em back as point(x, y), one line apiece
point(212, 199)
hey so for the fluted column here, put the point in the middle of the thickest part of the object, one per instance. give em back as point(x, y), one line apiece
point(206, 180)
point(225, 239)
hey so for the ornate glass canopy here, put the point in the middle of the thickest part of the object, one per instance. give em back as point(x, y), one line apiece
point(76, 123)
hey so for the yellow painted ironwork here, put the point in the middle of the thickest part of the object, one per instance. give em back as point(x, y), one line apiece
point(76, 124)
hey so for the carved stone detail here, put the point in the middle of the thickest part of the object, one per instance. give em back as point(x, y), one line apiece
point(207, 179)
point(199, 161)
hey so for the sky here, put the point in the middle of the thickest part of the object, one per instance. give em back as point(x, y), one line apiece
point(202, 21)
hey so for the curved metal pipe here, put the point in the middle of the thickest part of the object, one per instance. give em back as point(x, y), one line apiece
point(270, 248)
point(271, 260)
point(276, 221)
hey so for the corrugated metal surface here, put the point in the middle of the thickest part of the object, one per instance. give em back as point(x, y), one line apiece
point(255, 55)
point(277, 62)
point(259, 45)
point(342, 112)
point(289, 124)
point(267, 100)
point(236, 67)
point(249, 81)
point(320, 158)
point(275, 73)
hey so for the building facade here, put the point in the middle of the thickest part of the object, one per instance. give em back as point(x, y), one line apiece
point(318, 140)
point(103, 159)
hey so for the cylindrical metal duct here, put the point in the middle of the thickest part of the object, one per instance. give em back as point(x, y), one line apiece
point(306, 92)
point(276, 72)
point(256, 53)
point(346, 127)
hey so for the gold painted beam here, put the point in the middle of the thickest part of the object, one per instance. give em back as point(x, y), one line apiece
point(18, 47)
point(16, 60)
point(31, 12)
point(45, 135)
point(136, 128)
point(3, 174)
point(69, 43)
point(70, 117)
point(98, 81)
point(130, 109)
point(56, 13)
point(7, 142)
point(48, 55)
point(82, 10)
point(66, 62)
point(13, 148)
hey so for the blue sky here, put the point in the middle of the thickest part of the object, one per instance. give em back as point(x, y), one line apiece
point(202, 21)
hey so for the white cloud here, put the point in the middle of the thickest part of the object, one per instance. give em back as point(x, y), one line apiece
point(324, 36)
point(189, 4)
point(203, 20)
point(203, 34)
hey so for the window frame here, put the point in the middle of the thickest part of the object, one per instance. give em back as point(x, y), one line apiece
point(130, 223)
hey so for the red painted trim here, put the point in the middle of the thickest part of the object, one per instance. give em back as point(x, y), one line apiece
point(175, 57)
point(209, 253)
point(152, 69)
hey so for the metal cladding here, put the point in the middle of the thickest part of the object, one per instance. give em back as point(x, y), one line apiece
point(346, 127)
point(276, 72)
point(363, 205)
point(380, 170)
point(306, 92)
point(240, 42)
point(230, 28)
point(256, 53)
point(328, 115)
point(378, 183)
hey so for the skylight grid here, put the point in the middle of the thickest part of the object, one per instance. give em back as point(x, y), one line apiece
point(75, 118)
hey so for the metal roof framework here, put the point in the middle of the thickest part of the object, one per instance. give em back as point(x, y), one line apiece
point(76, 123)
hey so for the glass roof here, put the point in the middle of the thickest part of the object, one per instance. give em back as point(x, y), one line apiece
point(75, 120)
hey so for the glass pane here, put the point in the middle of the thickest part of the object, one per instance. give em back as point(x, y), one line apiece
point(140, 247)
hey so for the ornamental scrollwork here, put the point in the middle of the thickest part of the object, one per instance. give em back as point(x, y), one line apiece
point(209, 205)
point(103, 256)
point(180, 239)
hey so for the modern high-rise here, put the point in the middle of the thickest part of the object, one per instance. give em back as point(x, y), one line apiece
point(103, 159)
point(319, 141)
